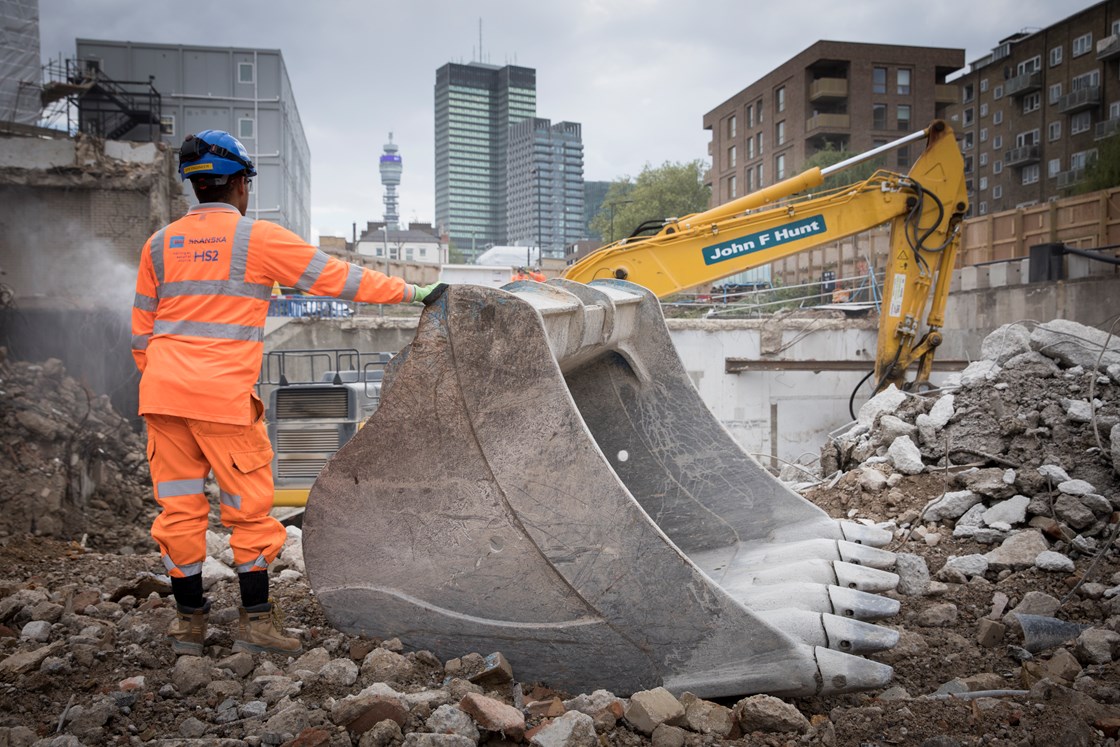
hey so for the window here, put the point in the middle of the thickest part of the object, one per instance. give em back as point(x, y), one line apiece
point(758, 174)
point(408, 253)
point(731, 162)
point(878, 116)
point(997, 142)
point(983, 85)
point(167, 124)
point(749, 180)
point(969, 116)
point(904, 157)
point(750, 148)
point(1055, 93)
point(983, 134)
point(780, 132)
point(1082, 159)
point(997, 191)
point(750, 115)
point(245, 72)
point(878, 80)
point(966, 141)
point(997, 93)
point(1088, 80)
point(1029, 66)
point(758, 142)
point(780, 99)
point(1030, 174)
point(1032, 102)
point(968, 164)
point(246, 128)
point(997, 168)
point(903, 77)
point(758, 106)
point(984, 109)
point(997, 116)
point(1053, 166)
point(1115, 28)
point(732, 186)
point(967, 93)
point(1054, 131)
point(780, 167)
point(423, 252)
point(1080, 122)
point(983, 208)
point(983, 182)
point(1055, 56)
point(1082, 45)
point(731, 126)
point(1030, 137)
point(983, 159)
point(1114, 110)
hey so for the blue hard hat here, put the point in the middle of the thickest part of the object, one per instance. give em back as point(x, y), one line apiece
point(214, 153)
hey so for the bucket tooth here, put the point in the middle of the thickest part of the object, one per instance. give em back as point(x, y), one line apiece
point(831, 631)
point(820, 549)
point(865, 535)
point(541, 478)
point(865, 555)
point(858, 605)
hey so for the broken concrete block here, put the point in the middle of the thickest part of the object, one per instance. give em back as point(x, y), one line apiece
point(766, 713)
point(892, 427)
point(886, 401)
point(950, 506)
point(1078, 410)
point(668, 736)
point(1074, 344)
point(1054, 473)
point(872, 480)
point(447, 719)
point(1097, 646)
point(1072, 511)
point(979, 372)
point(1076, 487)
point(969, 565)
point(939, 415)
point(1063, 666)
point(1018, 551)
point(649, 709)
point(938, 615)
point(913, 574)
point(573, 729)
point(1011, 511)
point(1098, 504)
point(497, 671)
point(493, 715)
point(1053, 561)
point(1005, 342)
point(906, 456)
point(989, 482)
point(705, 717)
point(989, 633)
point(1032, 603)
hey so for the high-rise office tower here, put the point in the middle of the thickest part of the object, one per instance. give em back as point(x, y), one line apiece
point(545, 185)
point(391, 168)
point(475, 106)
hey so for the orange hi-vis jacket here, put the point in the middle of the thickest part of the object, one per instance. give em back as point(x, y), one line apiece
point(202, 294)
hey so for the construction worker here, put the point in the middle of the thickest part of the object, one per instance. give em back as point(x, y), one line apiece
point(202, 296)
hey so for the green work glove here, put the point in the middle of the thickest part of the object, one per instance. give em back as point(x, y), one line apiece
point(429, 294)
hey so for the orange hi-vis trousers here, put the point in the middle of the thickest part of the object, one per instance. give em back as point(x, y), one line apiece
point(181, 453)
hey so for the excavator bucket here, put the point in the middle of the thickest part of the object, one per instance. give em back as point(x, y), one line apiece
point(543, 480)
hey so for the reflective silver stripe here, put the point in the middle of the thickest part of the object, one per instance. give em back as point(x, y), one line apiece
point(191, 569)
point(353, 282)
point(216, 288)
point(214, 330)
point(260, 562)
point(231, 500)
point(239, 259)
point(140, 342)
point(314, 270)
point(145, 303)
point(157, 257)
point(176, 488)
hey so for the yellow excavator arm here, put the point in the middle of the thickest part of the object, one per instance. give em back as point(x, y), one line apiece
point(924, 208)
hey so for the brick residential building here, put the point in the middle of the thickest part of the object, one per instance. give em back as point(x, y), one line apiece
point(853, 96)
point(1033, 112)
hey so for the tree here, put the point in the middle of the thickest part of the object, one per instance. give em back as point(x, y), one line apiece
point(829, 156)
point(671, 190)
point(1103, 172)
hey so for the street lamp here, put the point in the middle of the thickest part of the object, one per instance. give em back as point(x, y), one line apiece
point(611, 206)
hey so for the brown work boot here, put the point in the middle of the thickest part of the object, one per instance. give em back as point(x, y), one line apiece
point(260, 630)
point(188, 631)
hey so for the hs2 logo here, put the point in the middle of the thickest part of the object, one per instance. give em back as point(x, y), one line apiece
point(207, 255)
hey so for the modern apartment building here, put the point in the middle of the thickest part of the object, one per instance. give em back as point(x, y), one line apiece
point(594, 195)
point(19, 61)
point(849, 96)
point(475, 104)
point(1033, 112)
point(243, 91)
point(544, 185)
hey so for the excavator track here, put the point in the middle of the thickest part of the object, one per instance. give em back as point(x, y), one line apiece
point(542, 479)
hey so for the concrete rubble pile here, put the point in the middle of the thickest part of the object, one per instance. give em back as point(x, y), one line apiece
point(71, 465)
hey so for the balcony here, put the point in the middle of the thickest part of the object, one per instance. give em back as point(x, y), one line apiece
point(1022, 156)
point(828, 123)
point(1107, 128)
point(1023, 84)
point(1067, 179)
point(1108, 47)
point(828, 89)
point(1082, 98)
point(946, 93)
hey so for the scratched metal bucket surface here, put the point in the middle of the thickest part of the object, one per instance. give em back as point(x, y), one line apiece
point(543, 480)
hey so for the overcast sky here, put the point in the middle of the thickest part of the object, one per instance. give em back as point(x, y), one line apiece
point(637, 74)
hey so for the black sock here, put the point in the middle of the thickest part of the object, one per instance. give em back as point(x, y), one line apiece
point(188, 591)
point(254, 588)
